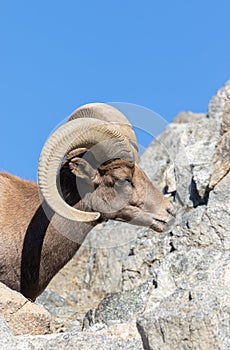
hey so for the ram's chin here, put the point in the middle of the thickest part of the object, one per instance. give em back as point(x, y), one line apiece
point(160, 226)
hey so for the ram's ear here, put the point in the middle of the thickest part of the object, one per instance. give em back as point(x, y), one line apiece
point(82, 169)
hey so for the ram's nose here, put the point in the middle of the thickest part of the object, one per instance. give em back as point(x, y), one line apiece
point(171, 210)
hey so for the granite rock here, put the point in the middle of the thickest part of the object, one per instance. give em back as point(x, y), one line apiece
point(76, 340)
point(22, 316)
point(6, 340)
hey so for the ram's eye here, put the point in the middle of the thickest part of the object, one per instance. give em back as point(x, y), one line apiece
point(123, 182)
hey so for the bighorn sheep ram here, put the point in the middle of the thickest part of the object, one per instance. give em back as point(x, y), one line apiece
point(87, 174)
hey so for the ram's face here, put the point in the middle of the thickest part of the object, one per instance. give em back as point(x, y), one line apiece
point(121, 191)
point(112, 188)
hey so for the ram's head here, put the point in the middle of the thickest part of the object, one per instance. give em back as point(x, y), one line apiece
point(99, 178)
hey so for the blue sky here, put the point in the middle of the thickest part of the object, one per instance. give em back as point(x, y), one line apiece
point(167, 56)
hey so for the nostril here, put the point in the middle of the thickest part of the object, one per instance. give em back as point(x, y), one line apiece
point(172, 211)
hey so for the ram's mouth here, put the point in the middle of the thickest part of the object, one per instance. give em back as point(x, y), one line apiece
point(162, 226)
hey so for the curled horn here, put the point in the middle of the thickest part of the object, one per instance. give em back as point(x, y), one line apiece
point(104, 137)
point(110, 114)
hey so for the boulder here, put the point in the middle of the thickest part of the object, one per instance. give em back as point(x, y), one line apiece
point(22, 316)
point(196, 315)
point(119, 307)
point(76, 340)
point(6, 340)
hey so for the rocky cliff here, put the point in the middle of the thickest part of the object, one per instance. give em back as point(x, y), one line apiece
point(142, 289)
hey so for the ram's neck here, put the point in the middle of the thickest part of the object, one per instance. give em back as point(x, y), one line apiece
point(55, 243)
